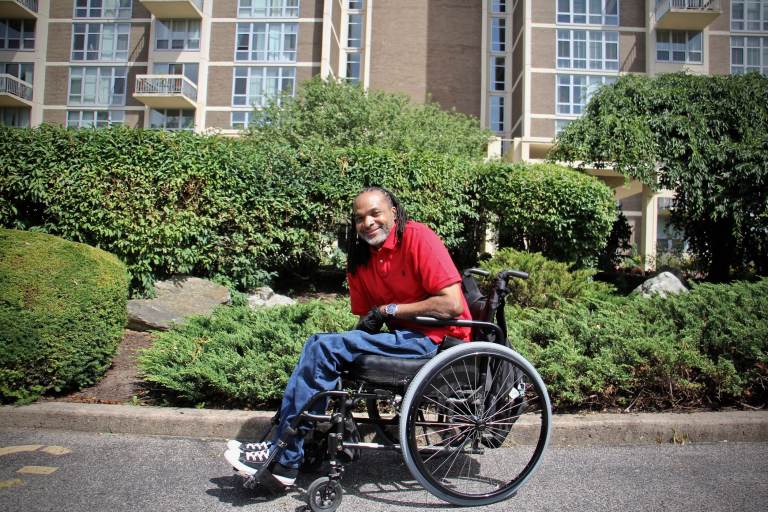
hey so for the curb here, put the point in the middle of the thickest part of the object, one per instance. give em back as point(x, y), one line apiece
point(568, 429)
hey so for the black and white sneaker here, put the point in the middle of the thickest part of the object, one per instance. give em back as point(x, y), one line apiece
point(251, 462)
point(248, 447)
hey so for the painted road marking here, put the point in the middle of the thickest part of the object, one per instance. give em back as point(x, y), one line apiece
point(16, 449)
point(36, 470)
point(7, 484)
point(57, 450)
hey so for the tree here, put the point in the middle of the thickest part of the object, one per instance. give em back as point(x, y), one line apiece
point(339, 114)
point(706, 138)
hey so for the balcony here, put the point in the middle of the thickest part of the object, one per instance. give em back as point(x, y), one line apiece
point(14, 92)
point(175, 9)
point(686, 14)
point(18, 9)
point(166, 91)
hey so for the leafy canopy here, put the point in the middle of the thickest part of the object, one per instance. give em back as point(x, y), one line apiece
point(706, 138)
point(339, 114)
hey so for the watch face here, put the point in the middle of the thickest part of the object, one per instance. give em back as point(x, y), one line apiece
point(391, 308)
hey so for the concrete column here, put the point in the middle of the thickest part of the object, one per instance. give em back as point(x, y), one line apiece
point(649, 227)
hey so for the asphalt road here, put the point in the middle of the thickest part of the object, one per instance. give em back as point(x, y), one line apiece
point(74, 471)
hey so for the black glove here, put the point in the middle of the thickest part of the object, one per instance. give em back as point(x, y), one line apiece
point(372, 322)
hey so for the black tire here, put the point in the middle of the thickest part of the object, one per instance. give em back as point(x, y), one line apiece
point(457, 450)
point(324, 495)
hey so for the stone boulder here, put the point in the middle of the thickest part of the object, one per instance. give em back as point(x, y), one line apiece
point(266, 297)
point(663, 284)
point(175, 300)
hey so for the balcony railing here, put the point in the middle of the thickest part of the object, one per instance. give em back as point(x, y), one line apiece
point(14, 92)
point(686, 14)
point(174, 9)
point(18, 9)
point(166, 91)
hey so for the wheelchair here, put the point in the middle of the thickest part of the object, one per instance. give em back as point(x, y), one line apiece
point(472, 422)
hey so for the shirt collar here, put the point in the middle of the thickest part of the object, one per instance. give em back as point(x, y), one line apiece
point(391, 242)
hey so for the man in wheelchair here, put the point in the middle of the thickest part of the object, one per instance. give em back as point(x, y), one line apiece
point(397, 269)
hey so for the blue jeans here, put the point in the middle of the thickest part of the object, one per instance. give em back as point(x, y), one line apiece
point(320, 364)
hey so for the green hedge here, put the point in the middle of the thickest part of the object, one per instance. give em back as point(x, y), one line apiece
point(238, 357)
point(549, 284)
point(169, 203)
point(62, 313)
point(561, 213)
point(704, 348)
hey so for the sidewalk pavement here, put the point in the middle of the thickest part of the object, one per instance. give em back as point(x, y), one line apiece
point(568, 429)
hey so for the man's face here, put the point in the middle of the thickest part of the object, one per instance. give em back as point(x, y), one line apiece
point(374, 217)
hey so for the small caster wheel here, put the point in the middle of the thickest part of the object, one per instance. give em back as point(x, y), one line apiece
point(324, 495)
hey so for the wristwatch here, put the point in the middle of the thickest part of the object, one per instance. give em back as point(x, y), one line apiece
point(390, 310)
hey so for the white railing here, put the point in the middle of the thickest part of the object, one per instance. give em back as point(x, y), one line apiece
point(662, 6)
point(29, 4)
point(9, 84)
point(166, 85)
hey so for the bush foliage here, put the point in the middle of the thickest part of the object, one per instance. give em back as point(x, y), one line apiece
point(62, 313)
point(238, 357)
point(707, 347)
point(561, 213)
point(170, 203)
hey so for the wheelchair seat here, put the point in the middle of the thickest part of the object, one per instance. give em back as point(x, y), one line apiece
point(391, 371)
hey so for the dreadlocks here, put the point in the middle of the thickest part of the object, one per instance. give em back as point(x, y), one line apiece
point(358, 251)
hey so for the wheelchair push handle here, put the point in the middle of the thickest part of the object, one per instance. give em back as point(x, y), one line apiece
point(506, 274)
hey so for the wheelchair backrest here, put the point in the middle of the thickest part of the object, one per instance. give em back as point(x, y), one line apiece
point(484, 307)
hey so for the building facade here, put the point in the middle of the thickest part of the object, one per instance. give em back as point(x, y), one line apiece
point(525, 68)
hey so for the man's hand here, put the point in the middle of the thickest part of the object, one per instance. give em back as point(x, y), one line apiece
point(372, 322)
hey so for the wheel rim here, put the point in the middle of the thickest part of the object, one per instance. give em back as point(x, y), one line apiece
point(471, 446)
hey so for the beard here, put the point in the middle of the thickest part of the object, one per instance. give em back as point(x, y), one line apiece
point(377, 238)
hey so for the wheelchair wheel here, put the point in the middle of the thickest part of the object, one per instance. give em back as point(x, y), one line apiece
point(474, 424)
point(324, 495)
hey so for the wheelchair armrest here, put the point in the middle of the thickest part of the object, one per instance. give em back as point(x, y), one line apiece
point(428, 320)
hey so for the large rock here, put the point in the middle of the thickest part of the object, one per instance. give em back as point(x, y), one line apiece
point(663, 284)
point(265, 297)
point(176, 299)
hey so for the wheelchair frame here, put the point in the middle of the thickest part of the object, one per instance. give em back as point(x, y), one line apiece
point(472, 410)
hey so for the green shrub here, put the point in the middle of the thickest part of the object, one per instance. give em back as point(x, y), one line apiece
point(561, 213)
point(170, 203)
point(706, 347)
point(549, 283)
point(238, 357)
point(62, 313)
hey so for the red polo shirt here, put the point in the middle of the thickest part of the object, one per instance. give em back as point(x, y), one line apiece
point(405, 272)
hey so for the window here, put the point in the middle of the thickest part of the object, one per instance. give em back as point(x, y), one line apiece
point(560, 125)
point(355, 31)
point(749, 54)
point(497, 114)
point(172, 119)
point(272, 42)
point(103, 8)
point(678, 46)
point(255, 86)
point(243, 119)
point(24, 71)
point(593, 12)
point(498, 71)
point(189, 70)
point(498, 6)
point(14, 117)
point(94, 118)
point(97, 86)
point(177, 35)
point(268, 9)
point(356, 5)
point(353, 67)
point(17, 34)
point(575, 91)
point(498, 34)
point(587, 49)
point(749, 15)
point(100, 41)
